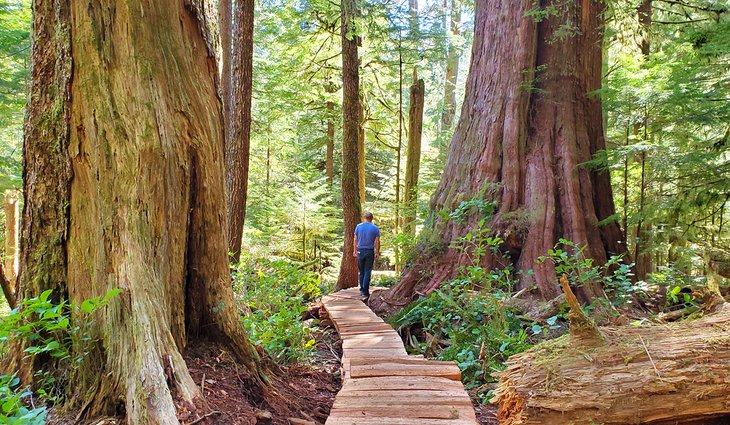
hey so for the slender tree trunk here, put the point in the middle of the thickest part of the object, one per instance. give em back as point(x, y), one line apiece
point(12, 226)
point(452, 68)
point(8, 273)
point(361, 153)
point(330, 161)
point(350, 135)
point(124, 189)
point(398, 153)
point(644, 260)
point(238, 146)
point(523, 148)
point(413, 160)
point(225, 26)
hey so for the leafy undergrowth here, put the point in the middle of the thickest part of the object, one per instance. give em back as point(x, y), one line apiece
point(275, 295)
point(47, 329)
point(470, 319)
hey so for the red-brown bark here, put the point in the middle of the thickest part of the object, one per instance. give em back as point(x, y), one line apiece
point(528, 123)
point(350, 140)
point(413, 160)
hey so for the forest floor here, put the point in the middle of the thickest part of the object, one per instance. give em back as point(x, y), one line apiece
point(306, 391)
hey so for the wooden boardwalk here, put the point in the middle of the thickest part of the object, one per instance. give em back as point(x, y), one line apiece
point(382, 384)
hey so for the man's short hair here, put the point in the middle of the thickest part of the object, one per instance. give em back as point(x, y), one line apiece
point(368, 215)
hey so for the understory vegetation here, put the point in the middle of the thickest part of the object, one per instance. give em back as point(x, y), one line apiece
point(274, 294)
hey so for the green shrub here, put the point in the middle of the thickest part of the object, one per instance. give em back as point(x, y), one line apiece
point(465, 320)
point(12, 407)
point(48, 329)
point(614, 276)
point(275, 293)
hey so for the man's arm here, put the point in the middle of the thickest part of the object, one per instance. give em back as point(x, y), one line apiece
point(377, 247)
point(354, 247)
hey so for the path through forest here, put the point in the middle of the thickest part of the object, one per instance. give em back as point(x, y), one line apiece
point(382, 383)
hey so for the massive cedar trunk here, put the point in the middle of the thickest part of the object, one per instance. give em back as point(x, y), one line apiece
point(124, 189)
point(239, 142)
point(413, 160)
point(527, 124)
point(452, 68)
point(350, 136)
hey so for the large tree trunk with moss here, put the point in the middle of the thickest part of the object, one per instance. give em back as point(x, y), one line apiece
point(528, 124)
point(661, 374)
point(125, 189)
point(239, 142)
point(350, 140)
point(413, 160)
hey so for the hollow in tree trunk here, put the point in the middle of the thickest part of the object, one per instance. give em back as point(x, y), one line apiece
point(350, 136)
point(527, 125)
point(239, 143)
point(124, 189)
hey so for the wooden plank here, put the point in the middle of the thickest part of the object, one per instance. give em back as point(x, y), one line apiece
point(397, 394)
point(382, 384)
point(395, 421)
point(411, 412)
point(375, 353)
point(402, 382)
point(361, 368)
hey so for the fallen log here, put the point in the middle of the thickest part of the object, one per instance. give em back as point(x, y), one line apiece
point(675, 373)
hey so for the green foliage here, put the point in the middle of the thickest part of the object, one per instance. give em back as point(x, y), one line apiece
point(59, 331)
point(614, 276)
point(275, 293)
point(483, 207)
point(14, 62)
point(13, 410)
point(465, 320)
point(667, 125)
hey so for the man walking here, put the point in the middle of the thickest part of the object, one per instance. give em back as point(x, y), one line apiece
point(366, 249)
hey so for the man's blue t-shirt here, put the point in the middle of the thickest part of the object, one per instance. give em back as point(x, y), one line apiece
point(366, 233)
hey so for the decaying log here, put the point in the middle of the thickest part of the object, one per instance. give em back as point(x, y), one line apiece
point(656, 374)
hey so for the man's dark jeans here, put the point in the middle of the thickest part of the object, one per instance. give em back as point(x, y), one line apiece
point(365, 260)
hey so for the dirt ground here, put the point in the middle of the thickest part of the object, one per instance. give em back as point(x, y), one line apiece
point(301, 394)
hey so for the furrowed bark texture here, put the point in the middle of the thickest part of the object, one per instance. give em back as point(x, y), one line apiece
point(47, 170)
point(413, 161)
point(125, 189)
point(527, 123)
point(238, 145)
point(662, 374)
point(350, 134)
